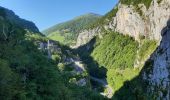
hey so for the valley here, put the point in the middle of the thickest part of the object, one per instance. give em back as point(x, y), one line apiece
point(123, 55)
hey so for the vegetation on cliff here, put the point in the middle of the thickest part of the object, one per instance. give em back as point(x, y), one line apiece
point(113, 57)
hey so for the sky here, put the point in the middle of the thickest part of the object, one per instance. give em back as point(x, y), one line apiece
point(46, 13)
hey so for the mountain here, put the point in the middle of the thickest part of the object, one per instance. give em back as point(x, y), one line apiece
point(129, 48)
point(67, 32)
point(32, 67)
point(10, 16)
point(123, 55)
point(137, 20)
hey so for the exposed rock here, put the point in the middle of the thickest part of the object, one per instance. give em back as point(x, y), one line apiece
point(158, 76)
point(50, 46)
point(129, 20)
point(87, 35)
point(81, 82)
point(149, 24)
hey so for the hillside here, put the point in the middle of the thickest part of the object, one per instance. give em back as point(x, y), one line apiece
point(12, 18)
point(67, 32)
point(123, 55)
point(32, 67)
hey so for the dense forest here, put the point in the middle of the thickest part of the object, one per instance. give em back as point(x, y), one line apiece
point(26, 73)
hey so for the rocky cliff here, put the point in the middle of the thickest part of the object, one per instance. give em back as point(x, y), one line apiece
point(158, 75)
point(135, 21)
point(151, 23)
point(87, 35)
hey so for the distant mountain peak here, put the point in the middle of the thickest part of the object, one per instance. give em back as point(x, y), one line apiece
point(87, 15)
point(82, 19)
point(93, 14)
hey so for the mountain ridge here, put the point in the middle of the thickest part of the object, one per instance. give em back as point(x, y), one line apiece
point(75, 18)
point(67, 32)
point(13, 18)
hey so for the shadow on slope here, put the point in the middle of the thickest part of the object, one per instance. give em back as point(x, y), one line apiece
point(94, 69)
point(84, 52)
point(137, 88)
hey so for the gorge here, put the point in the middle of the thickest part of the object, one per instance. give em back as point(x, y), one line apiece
point(123, 55)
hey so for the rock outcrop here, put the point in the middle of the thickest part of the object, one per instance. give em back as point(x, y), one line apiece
point(87, 35)
point(134, 21)
point(158, 75)
point(145, 22)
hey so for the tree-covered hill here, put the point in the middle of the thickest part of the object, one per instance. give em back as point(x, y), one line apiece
point(69, 30)
point(26, 73)
point(13, 18)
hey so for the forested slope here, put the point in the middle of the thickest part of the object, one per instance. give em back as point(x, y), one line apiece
point(26, 73)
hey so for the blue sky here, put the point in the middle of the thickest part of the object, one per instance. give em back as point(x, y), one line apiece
point(46, 13)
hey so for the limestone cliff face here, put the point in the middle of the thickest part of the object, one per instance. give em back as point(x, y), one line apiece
point(142, 21)
point(157, 73)
point(87, 35)
point(151, 23)
point(134, 21)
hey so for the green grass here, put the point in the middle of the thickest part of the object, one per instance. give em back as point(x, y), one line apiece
point(57, 37)
point(66, 38)
point(70, 29)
